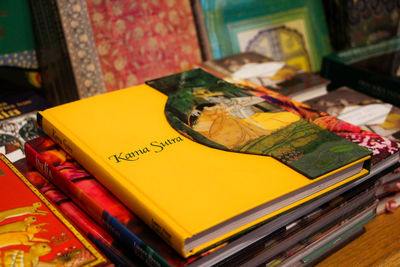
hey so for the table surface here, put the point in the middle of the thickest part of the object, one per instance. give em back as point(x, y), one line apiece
point(378, 246)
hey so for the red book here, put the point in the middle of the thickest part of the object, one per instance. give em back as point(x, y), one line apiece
point(96, 234)
point(33, 232)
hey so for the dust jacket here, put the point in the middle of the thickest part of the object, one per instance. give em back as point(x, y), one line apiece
point(33, 231)
point(178, 179)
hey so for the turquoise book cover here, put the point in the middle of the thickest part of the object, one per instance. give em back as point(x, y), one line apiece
point(294, 31)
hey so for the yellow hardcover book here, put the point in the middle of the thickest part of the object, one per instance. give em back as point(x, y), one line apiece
point(191, 194)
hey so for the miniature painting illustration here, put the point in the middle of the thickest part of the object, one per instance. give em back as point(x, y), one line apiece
point(221, 115)
point(31, 234)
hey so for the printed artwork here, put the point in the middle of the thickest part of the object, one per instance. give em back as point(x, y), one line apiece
point(107, 206)
point(283, 42)
point(32, 232)
point(221, 115)
point(371, 21)
point(15, 132)
point(380, 146)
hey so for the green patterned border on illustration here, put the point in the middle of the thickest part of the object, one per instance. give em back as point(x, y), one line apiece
point(221, 115)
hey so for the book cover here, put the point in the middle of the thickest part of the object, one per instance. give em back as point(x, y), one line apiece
point(67, 174)
point(111, 248)
point(33, 231)
point(290, 31)
point(14, 132)
point(159, 144)
point(385, 152)
point(371, 69)
point(276, 75)
point(367, 112)
point(96, 46)
point(12, 105)
point(17, 45)
point(353, 23)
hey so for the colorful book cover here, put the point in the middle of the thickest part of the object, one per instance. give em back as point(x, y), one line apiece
point(159, 144)
point(290, 31)
point(221, 115)
point(14, 132)
point(95, 233)
point(107, 46)
point(276, 75)
point(369, 113)
point(355, 23)
point(371, 69)
point(62, 170)
point(34, 232)
point(382, 148)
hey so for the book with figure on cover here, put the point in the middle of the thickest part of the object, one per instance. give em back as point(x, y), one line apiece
point(373, 69)
point(33, 231)
point(293, 31)
point(161, 167)
point(276, 75)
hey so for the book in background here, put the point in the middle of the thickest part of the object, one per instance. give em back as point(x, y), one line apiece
point(91, 47)
point(165, 147)
point(353, 23)
point(291, 31)
point(113, 250)
point(33, 231)
point(275, 75)
point(18, 122)
point(18, 61)
point(371, 69)
point(369, 113)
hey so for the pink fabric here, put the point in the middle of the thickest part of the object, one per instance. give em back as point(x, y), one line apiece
point(141, 40)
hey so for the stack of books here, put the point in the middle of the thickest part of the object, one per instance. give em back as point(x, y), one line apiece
point(190, 170)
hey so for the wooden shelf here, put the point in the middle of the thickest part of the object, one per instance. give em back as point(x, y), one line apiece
point(378, 246)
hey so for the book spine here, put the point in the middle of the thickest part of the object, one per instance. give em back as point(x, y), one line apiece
point(369, 83)
point(58, 80)
point(147, 211)
point(98, 213)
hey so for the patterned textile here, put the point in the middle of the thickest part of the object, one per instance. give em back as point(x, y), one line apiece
point(141, 40)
